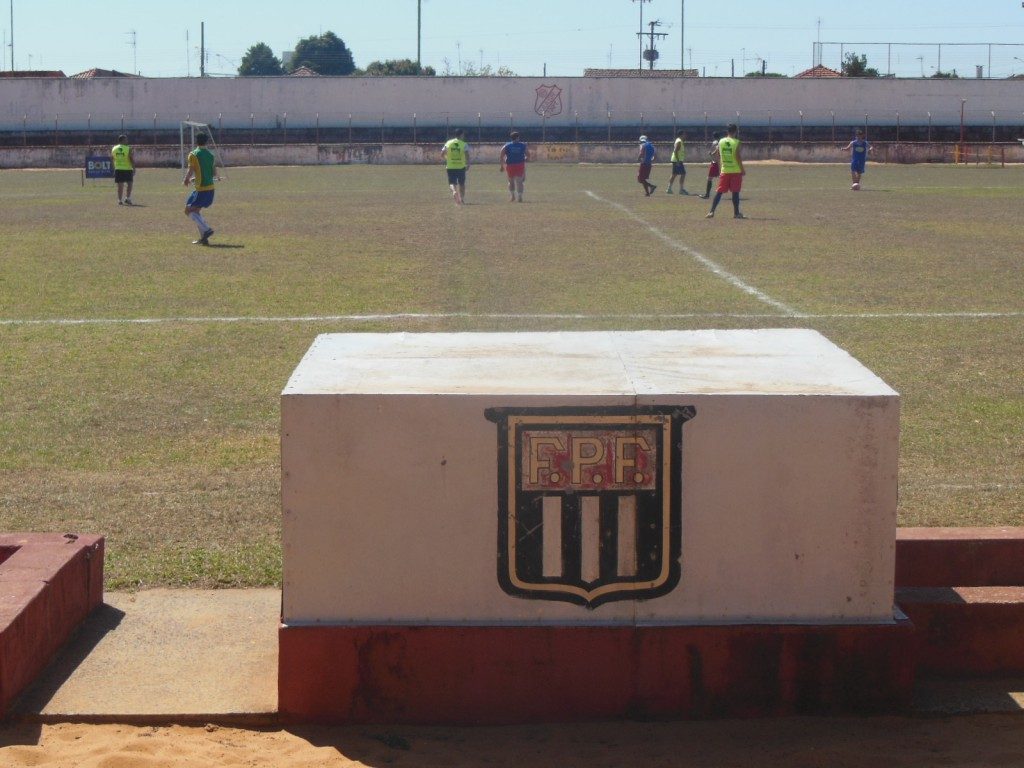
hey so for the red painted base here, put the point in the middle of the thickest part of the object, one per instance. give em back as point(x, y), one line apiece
point(49, 583)
point(493, 675)
point(960, 557)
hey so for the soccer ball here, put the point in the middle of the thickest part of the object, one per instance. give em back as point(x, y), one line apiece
point(855, 185)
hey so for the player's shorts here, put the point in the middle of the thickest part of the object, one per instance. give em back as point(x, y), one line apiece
point(199, 199)
point(123, 177)
point(678, 169)
point(730, 182)
point(644, 173)
point(713, 170)
point(857, 167)
point(515, 170)
point(456, 176)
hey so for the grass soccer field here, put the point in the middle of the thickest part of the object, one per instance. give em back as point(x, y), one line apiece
point(140, 375)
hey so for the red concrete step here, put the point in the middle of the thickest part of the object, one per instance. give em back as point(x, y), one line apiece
point(966, 631)
point(960, 557)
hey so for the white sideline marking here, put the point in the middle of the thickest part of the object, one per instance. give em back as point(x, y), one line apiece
point(703, 260)
point(504, 316)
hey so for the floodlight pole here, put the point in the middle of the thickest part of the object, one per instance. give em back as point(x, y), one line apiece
point(641, 33)
point(419, 29)
point(12, 35)
point(682, 35)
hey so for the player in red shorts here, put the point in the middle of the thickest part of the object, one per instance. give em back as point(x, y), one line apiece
point(646, 160)
point(513, 161)
point(714, 169)
point(731, 179)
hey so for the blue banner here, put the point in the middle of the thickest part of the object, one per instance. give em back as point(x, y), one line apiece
point(99, 167)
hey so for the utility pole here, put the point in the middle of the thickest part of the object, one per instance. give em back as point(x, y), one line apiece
point(640, 34)
point(651, 54)
point(419, 29)
point(682, 35)
point(202, 49)
point(12, 35)
point(133, 42)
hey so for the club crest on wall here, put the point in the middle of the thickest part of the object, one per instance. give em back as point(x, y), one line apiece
point(549, 100)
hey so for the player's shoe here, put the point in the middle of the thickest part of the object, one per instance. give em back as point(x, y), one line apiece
point(205, 239)
point(653, 187)
point(710, 215)
point(684, 192)
point(128, 201)
point(703, 197)
point(668, 191)
point(120, 203)
point(738, 216)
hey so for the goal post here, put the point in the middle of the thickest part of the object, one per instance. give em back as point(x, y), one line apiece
point(188, 129)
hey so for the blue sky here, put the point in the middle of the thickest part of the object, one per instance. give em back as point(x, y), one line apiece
point(523, 35)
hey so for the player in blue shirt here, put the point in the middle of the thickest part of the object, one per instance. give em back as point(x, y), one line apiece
point(646, 160)
point(513, 161)
point(859, 149)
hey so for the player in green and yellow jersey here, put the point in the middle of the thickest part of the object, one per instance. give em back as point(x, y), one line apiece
point(678, 163)
point(202, 171)
point(456, 161)
point(124, 169)
point(733, 172)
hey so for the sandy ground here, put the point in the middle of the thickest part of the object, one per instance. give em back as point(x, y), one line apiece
point(977, 740)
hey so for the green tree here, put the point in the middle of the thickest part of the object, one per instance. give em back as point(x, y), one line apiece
point(393, 67)
point(325, 54)
point(857, 66)
point(939, 75)
point(764, 74)
point(259, 60)
point(469, 69)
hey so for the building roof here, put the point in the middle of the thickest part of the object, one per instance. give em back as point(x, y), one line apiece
point(641, 73)
point(95, 72)
point(819, 71)
point(303, 71)
point(33, 73)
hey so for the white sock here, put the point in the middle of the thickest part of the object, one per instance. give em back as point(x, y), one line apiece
point(197, 217)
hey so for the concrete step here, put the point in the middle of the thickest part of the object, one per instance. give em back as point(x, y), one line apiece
point(966, 631)
point(960, 557)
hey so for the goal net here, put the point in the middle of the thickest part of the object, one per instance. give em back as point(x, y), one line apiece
point(188, 131)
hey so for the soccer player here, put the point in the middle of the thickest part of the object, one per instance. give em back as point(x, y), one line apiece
point(678, 163)
point(731, 179)
point(513, 161)
point(124, 169)
point(714, 169)
point(202, 171)
point(859, 149)
point(456, 156)
point(646, 160)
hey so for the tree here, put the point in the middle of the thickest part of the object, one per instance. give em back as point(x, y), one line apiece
point(857, 66)
point(260, 61)
point(325, 54)
point(393, 67)
point(764, 74)
point(469, 70)
point(945, 75)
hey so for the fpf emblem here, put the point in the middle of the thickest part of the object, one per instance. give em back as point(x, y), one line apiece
point(589, 502)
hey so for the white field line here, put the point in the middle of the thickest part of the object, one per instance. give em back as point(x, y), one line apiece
point(716, 269)
point(429, 316)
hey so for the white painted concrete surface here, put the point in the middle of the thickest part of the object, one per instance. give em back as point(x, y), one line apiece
point(390, 474)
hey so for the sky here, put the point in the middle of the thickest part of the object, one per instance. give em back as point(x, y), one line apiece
point(529, 37)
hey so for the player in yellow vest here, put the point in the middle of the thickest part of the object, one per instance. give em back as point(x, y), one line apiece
point(124, 169)
point(678, 163)
point(731, 179)
point(456, 161)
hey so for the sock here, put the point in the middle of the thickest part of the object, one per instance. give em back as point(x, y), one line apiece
point(736, 203)
point(197, 217)
point(707, 192)
point(714, 203)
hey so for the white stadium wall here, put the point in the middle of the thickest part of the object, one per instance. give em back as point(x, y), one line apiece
point(110, 103)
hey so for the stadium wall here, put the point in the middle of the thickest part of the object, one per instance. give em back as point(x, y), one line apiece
point(108, 104)
point(429, 154)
